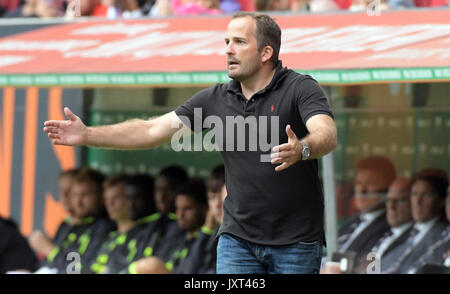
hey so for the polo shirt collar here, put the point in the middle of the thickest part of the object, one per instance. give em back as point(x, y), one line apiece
point(280, 72)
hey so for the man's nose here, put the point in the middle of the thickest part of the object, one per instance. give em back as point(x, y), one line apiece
point(229, 50)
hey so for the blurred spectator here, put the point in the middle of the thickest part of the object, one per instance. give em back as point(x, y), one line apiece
point(146, 6)
point(85, 8)
point(359, 234)
point(399, 218)
point(162, 8)
point(195, 7)
point(399, 4)
point(91, 228)
point(15, 254)
point(157, 226)
point(28, 9)
point(130, 9)
point(230, 6)
point(430, 3)
point(168, 181)
point(428, 195)
point(369, 5)
point(202, 257)
point(8, 5)
point(126, 200)
point(50, 8)
point(320, 5)
point(165, 8)
point(191, 208)
point(439, 253)
point(43, 245)
point(107, 8)
point(247, 5)
point(272, 5)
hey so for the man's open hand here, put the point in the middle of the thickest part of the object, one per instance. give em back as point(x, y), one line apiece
point(288, 153)
point(66, 132)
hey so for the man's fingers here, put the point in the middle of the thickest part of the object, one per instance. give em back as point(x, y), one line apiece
point(53, 136)
point(282, 147)
point(52, 123)
point(290, 132)
point(282, 166)
point(277, 160)
point(69, 114)
point(284, 154)
point(51, 130)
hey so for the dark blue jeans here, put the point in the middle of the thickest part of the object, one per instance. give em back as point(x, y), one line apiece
point(237, 256)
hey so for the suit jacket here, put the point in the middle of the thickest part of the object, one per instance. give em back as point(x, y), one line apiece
point(435, 254)
point(398, 241)
point(364, 242)
point(386, 256)
point(410, 259)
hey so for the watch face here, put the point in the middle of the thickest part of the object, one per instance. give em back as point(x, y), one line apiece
point(306, 152)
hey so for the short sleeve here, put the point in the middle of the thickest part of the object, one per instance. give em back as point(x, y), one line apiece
point(192, 112)
point(311, 99)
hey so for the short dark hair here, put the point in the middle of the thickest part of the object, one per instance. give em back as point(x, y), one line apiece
point(176, 175)
point(437, 178)
point(195, 189)
point(92, 176)
point(267, 32)
point(138, 190)
point(143, 203)
point(72, 173)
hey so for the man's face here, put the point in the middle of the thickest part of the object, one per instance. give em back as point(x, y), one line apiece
point(425, 203)
point(65, 184)
point(215, 204)
point(370, 187)
point(164, 196)
point(243, 57)
point(84, 199)
point(116, 203)
point(190, 214)
point(398, 205)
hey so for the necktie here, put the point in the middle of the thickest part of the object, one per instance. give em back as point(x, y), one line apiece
point(344, 237)
point(386, 236)
point(408, 249)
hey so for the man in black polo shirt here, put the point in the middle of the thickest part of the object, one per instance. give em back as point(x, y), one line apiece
point(273, 214)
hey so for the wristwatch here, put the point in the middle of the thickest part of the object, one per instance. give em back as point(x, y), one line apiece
point(306, 152)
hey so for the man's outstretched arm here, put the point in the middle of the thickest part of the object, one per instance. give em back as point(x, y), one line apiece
point(131, 134)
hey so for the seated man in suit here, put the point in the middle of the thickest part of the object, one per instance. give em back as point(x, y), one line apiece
point(428, 194)
point(360, 233)
point(399, 218)
point(439, 253)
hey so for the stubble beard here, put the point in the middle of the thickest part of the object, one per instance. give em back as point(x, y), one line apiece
point(245, 70)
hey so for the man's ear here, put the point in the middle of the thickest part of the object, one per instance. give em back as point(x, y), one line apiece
point(266, 53)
